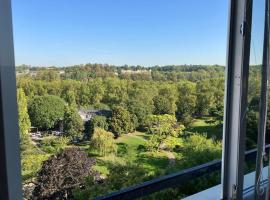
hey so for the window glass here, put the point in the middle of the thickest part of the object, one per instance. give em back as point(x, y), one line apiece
point(115, 93)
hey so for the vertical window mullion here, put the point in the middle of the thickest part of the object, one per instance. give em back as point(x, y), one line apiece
point(236, 87)
point(10, 181)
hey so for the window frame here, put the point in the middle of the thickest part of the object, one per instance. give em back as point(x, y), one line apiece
point(10, 170)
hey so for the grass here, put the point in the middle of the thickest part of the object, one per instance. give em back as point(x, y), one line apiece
point(128, 152)
point(129, 146)
point(205, 125)
point(131, 142)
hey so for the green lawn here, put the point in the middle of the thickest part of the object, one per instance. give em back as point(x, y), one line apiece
point(129, 151)
point(206, 125)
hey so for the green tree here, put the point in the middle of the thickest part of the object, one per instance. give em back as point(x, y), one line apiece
point(205, 97)
point(139, 111)
point(121, 121)
point(24, 121)
point(70, 97)
point(162, 106)
point(186, 102)
point(140, 100)
point(198, 149)
point(217, 112)
point(46, 111)
point(103, 142)
point(95, 122)
point(73, 124)
point(161, 126)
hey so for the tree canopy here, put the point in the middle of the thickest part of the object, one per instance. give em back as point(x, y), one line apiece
point(46, 111)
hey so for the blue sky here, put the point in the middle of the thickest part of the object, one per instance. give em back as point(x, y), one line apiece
point(133, 32)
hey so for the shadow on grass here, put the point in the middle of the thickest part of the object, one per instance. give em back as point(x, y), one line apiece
point(145, 137)
point(212, 130)
point(122, 149)
point(152, 161)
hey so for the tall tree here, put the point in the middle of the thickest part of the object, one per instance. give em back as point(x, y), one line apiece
point(162, 105)
point(186, 102)
point(205, 97)
point(24, 120)
point(46, 111)
point(73, 124)
point(121, 121)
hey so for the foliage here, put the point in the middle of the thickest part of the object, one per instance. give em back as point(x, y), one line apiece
point(73, 124)
point(31, 164)
point(204, 97)
point(197, 149)
point(53, 144)
point(161, 126)
point(193, 93)
point(121, 122)
point(24, 121)
point(162, 106)
point(217, 112)
point(69, 97)
point(172, 142)
point(186, 102)
point(46, 111)
point(120, 176)
point(61, 173)
point(103, 142)
point(95, 122)
point(252, 129)
point(91, 92)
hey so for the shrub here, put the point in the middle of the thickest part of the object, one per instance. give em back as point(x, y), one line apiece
point(95, 122)
point(62, 172)
point(31, 164)
point(52, 144)
point(198, 149)
point(120, 176)
point(103, 142)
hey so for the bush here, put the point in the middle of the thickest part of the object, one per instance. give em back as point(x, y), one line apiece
point(52, 144)
point(198, 149)
point(103, 142)
point(95, 122)
point(31, 164)
point(171, 143)
point(61, 173)
point(122, 149)
point(120, 176)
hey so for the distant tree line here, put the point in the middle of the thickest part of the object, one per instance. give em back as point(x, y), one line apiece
point(182, 91)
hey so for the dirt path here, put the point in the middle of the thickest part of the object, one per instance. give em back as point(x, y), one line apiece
point(171, 158)
point(36, 146)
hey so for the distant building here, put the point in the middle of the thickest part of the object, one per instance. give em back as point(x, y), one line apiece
point(24, 72)
point(33, 74)
point(61, 72)
point(87, 115)
point(130, 71)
